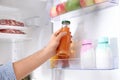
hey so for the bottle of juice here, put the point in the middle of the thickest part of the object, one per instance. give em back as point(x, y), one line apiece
point(63, 51)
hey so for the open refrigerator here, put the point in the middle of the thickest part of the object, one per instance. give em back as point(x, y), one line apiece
point(88, 22)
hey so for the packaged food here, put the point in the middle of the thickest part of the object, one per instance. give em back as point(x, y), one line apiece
point(11, 22)
point(11, 31)
point(7, 26)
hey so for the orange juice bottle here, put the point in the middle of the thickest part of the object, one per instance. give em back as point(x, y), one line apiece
point(63, 51)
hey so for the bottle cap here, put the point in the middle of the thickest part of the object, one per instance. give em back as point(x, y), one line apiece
point(103, 40)
point(85, 42)
point(65, 22)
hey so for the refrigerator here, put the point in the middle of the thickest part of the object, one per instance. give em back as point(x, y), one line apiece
point(88, 22)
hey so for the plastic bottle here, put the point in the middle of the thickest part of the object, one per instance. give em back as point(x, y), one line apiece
point(87, 55)
point(63, 51)
point(104, 59)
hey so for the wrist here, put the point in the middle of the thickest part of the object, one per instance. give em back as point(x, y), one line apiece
point(49, 51)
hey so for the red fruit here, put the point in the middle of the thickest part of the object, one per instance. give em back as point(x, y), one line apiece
point(82, 3)
point(53, 12)
point(60, 8)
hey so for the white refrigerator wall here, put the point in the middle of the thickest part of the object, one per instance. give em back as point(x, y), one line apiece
point(95, 23)
point(34, 13)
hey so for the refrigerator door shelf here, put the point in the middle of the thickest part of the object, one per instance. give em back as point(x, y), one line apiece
point(80, 11)
point(75, 64)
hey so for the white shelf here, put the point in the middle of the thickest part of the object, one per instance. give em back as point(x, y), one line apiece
point(13, 27)
point(15, 37)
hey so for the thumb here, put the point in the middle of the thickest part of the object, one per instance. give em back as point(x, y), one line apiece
point(60, 35)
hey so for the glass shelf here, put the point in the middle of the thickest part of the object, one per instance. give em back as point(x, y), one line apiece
point(75, 64)
point(81, 10)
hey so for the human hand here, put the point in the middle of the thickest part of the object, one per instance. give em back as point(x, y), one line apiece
point(54, 41)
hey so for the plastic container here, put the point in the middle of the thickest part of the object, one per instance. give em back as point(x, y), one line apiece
point(87, 55)
point(104, 55)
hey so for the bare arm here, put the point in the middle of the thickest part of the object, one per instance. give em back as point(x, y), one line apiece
point(27, 65)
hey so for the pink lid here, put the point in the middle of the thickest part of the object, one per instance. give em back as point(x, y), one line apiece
point(86, 45)
point(84, 42)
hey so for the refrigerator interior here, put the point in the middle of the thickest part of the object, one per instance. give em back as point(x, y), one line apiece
point(38, 28)
point(95, 24)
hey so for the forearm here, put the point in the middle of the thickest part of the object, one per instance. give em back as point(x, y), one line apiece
point(27, 65)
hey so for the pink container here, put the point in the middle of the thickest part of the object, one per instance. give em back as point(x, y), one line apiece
point(87, 55)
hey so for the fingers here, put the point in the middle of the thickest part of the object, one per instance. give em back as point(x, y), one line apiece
point(57, 32)
point(60, 35)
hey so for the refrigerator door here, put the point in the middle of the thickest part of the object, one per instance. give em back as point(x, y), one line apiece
point(92, 26)
point(96, 24)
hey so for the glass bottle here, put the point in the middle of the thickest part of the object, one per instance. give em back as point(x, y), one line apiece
point(63, 51)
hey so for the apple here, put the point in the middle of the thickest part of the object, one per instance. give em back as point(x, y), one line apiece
point(72, 5)
point(82, 3)
point(89, 2)
point(99, 1)
point(53, 12)
point(60, 8)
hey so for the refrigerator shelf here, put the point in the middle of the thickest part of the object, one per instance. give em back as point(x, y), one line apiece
point(13, 27)
point(14, 38)
point(23, 30)
point(75, 64)
point(11, 37)
point(82, 10)
point(89, 55)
